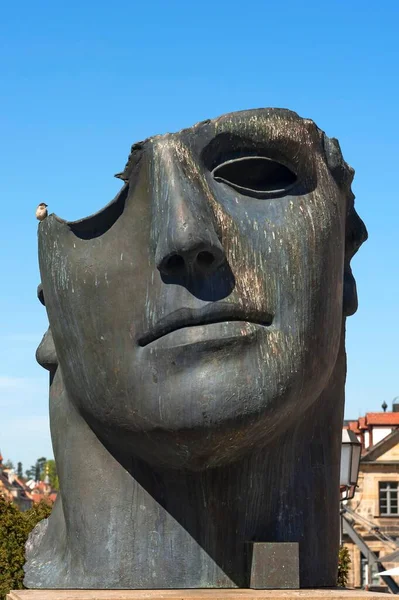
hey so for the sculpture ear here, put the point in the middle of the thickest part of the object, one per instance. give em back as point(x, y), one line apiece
point(40, 294)
point(356, 235)
point(46, 355)
point(356, 232)
point(350, 302)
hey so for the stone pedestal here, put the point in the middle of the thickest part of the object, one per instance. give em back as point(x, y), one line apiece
point(274, 566)
point(203, 594)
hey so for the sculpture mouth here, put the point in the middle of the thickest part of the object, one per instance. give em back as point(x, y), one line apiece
point(208, 315)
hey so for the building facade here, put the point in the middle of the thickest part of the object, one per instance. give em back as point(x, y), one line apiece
point(374, 510)
point(13, 488)
point(24, 493)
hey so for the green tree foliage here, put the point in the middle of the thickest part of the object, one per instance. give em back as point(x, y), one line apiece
point(15, 527)
point(37, 471)
point(344, 565)
point(40, 467)
point(20, 471)
point(31, 473)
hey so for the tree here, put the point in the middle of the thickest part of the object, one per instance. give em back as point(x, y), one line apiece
point(31, 473)
point(344, 565)
point(8, 464)
point(36, 471)
point(15, 527)
point(40, 467)
point(20, 472)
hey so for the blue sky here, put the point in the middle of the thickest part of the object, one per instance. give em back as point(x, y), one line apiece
point(80, 82)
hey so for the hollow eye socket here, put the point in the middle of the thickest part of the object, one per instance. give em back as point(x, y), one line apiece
point(256, 176)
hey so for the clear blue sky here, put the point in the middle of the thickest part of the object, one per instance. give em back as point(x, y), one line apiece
point(80, 82)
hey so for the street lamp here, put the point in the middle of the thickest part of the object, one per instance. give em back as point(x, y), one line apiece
point(350, 462)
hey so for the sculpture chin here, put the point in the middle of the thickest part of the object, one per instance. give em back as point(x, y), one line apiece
point(195, 450)
point(200, 445)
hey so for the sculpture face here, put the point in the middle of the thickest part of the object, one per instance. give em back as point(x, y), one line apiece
point(200, 313)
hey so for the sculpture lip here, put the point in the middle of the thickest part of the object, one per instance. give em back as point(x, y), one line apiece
point(207, 315)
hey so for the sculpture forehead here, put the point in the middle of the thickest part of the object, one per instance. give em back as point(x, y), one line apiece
point(263, 127)
point(246, 122)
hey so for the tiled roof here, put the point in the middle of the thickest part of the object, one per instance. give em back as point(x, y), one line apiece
point(362, 423)
point(37, 496)
point(387, 418)
point(42, 491)
point(353, 426)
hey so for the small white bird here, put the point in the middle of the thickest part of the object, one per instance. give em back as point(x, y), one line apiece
point(41, 211)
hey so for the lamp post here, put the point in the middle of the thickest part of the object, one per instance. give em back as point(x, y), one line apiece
point(350, 462)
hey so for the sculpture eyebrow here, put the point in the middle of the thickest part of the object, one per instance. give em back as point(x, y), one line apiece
point(229, 145)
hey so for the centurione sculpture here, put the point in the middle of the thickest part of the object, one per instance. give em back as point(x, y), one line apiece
point(196, 352)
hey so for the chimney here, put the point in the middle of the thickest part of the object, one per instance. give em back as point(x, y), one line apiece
point(395, 404)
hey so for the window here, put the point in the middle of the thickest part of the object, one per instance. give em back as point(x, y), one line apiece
point(388, 498)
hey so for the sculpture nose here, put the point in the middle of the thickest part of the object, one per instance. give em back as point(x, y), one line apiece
point(199, 258)
point(188, 243)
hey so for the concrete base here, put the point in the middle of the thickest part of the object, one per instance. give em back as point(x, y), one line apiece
point(203, 594)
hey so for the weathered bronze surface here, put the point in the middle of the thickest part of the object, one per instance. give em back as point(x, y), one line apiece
point(197, 360)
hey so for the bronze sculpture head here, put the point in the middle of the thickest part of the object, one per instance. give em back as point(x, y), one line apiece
point(197, 340)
